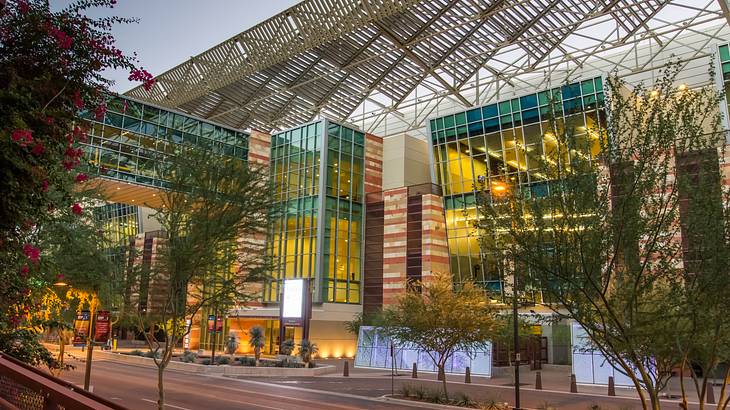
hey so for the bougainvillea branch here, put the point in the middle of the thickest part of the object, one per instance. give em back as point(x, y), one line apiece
point(51, 65)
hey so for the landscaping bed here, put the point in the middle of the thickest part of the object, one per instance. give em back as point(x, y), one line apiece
point(423, 394)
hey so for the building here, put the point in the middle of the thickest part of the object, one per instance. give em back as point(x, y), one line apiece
point(378, 125)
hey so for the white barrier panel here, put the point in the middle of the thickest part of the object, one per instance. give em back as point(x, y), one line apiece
point(590, 366)
point(373, 352)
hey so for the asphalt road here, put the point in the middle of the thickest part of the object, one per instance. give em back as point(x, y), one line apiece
point(136, 388)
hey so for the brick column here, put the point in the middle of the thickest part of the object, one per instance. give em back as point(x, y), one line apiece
point(435, 246)
point(259, 148)
point(394, 243)
point(373, 163)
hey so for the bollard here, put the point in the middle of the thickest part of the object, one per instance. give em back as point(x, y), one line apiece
point(710, 395)
point(538, 381)
point(346, 369)
point(573, 384)
point(467, 377)
point(414, 375)
point(611, 386)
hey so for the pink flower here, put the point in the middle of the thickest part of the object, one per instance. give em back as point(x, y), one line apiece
point(50, 120)
point(76, 209)
point(100, 111)
point(142, 75)
point(81, 177)
point(78, 101)
point(45, 185)
point(60, 277)
point(23, 7)
point(22, 137)
point(64, 40)
point(32, 253)
point(79, 134)
point(38, 149)
point(24, 270)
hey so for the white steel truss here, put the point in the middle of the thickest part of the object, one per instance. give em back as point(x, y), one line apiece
point(388, 65)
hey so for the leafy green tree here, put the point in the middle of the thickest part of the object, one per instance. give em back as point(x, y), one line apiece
point(630, 236)
point(440, 319)
point(257, 340)
point(215, 215)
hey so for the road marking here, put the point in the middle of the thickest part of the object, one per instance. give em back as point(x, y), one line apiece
point(327, 392)
point(167, 405)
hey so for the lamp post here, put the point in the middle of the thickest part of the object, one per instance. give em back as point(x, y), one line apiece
point(500, 189)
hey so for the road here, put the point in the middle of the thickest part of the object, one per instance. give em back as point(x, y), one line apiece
point(136, 388)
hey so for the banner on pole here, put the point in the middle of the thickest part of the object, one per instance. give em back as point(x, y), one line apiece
point(103, 327)
point(211, 323)
point(81, 327)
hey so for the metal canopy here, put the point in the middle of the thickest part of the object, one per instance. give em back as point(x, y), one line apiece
point(368, 61)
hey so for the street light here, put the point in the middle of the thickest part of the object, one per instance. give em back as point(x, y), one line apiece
point(499, 189)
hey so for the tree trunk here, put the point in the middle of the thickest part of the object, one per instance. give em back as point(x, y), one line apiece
point(442, 370)
point(684, 404)
point(160, 387)
point(257, 354)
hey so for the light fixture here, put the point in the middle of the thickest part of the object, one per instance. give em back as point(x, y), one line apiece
point(682, 87)
point(60, 284)
point(654, 93)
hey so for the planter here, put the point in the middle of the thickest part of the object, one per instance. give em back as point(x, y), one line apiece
point(225, 370)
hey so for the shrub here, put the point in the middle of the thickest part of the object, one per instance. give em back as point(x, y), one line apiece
point(205, 362)
point(493, 404)
point(136, 353)
point(189, 357)
point(419, 392)
point(152, 354)
point(435, 396)
point(247, 361)
point(231, 343)
point(223, 360)
point(463, 399)
point(406, 390)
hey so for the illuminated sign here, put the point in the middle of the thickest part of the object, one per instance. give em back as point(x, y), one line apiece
point(292, 306)
point(102, 328)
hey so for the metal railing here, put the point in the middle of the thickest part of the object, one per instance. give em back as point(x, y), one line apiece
point(25, 387)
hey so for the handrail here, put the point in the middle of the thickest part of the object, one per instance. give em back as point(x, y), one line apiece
point(55, 391)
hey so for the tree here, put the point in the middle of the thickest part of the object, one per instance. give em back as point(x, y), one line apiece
point(603, 239)
point(441, 319)
point(307, 350)
point(51, 65)
point(215, 215)
point(287, 347)
point(257, 340)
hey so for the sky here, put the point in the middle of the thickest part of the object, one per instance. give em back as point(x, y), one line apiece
point(171, 31)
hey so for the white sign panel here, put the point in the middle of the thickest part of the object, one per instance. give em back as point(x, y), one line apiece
point(373, 352)
point(590, 366)
point(291, 307)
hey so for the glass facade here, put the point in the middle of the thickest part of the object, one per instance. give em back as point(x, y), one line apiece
point(133, 139)
point(119, 222)
point(318, 232)
point(512, 139)
point(725, 68)
point(295, 168)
